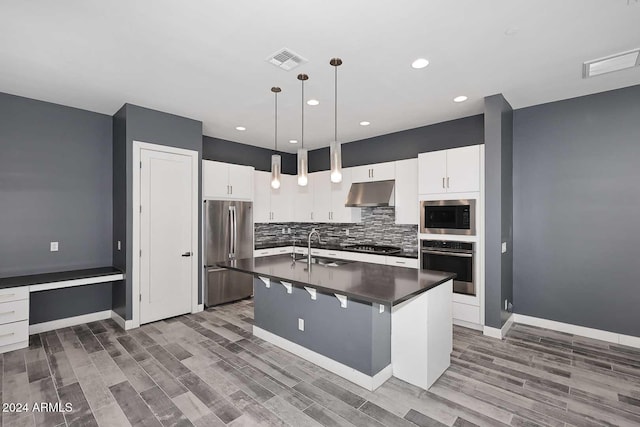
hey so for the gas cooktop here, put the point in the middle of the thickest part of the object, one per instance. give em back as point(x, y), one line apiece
point(374, 249)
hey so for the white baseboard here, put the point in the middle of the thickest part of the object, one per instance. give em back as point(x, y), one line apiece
point(499, 333)
point(369, 382)
point(15, 346)
point(583, 331)
point(68, 321)
point(468, 325)
point(199, 308)
point(124, 324)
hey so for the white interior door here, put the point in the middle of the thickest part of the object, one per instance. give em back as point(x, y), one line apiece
point(166, 246)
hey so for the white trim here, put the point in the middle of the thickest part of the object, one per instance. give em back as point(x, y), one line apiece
point(199, 308)
point(356, 377)
point(468, 325)
point(499, 333)
point(38, 328)
point(124, 324)
point(138, 146)
point(75, 282)
point(583, 331)
point(15, 346)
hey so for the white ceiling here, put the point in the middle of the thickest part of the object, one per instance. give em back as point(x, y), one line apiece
point(205, 59)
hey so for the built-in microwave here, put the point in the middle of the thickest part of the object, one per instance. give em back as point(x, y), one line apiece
point(448, 217)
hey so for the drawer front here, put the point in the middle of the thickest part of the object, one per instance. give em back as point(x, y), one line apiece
point(14, 294)
point(285, 250)
point(12, 333)
point(14, 311)
point(468, 313)
point(402, 262)
point(262, 252)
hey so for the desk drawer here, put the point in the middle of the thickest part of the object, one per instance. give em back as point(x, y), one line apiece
point(12, 333)
point(14, 311)
point(14, 294)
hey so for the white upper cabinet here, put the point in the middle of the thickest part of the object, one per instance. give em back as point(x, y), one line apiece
point(463, 169)
point(226, 181)
point(302, 201)
point(321, 196)
point(375, 172)
point(432, 174)
point(449, 171)
point(406, 191)
point(329, 198)
point(269, 204)
point(262, 197)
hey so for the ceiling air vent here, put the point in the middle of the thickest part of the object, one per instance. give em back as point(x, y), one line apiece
point(608, 64)
point(286, 59)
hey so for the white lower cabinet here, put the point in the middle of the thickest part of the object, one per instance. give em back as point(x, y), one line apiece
point(14, 318)
point(402, 262)
point(466, 313)
point(257, 253)
point(349, 256)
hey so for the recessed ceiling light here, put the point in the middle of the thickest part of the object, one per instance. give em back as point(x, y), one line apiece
point(460, 98)
point(293, 141)
point(364, 123)
point(420, 63)
point(313, 102)
point(241, 128)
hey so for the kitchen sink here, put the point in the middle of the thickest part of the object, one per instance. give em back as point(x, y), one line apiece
point(328, 262)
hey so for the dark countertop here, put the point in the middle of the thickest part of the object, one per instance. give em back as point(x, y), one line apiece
point(383, 284)
point(331, 246)
point(35, 279)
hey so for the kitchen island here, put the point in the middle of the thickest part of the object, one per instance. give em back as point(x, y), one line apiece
point(364, 322)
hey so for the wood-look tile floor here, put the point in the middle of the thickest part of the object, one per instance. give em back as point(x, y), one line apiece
point(209, 370)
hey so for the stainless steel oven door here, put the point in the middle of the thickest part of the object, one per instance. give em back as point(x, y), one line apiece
point(460, 263)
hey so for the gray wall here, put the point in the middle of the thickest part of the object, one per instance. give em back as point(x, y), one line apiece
point(55, 185)
point(145, 125)
point(405, 144)
point(498, 129)
point(576, 209)
point(222, 150)
point(358, 336)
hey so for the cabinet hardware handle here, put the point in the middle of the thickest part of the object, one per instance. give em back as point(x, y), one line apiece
point(7, 312)
point(447, 182)
point(7, 335)
point(400, 262)
point(443, 182)
point(231, 189)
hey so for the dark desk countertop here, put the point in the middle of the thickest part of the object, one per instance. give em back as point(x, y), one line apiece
point(331, 247)
point(383, 284)
point(35, 279)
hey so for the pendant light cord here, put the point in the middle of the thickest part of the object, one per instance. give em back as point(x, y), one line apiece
point(302, 131)
point(276, 120)
point(335, 109)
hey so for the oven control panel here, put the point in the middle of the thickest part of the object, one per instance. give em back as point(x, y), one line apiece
point(444, 244)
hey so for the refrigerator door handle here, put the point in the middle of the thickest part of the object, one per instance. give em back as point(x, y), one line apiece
point(230, 255)
point(235, 231)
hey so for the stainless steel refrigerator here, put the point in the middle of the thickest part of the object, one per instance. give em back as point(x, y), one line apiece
point(228, 228)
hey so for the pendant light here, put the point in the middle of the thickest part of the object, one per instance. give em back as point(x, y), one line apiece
point(303, 158)
point(276, 160)
point(335, 148)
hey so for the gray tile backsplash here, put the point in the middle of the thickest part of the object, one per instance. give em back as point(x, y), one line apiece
point(377, 227)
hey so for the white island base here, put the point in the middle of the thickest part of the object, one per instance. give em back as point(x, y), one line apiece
point(422, 336)
point(421, 342)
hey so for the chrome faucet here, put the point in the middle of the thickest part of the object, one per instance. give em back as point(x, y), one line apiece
point(317, 233)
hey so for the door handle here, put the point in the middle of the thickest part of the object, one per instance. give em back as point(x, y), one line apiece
point(186, 254)
point(447, 182)
point(443, 182)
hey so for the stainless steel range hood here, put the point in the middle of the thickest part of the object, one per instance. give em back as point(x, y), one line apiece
point(370, 194)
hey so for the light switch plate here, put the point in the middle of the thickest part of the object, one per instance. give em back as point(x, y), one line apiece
point(119, 245)
point(53, 247)
point(301, 324)
point(504, 247)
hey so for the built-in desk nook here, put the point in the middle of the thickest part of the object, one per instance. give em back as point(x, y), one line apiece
point(14, 298)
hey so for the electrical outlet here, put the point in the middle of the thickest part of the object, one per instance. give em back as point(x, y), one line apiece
point(53, 247)
point(289, 230)
point(301, 324)
point(504, 247)
point(506, 305)
point(346, 232)
point(119, 245)
point(284, 231)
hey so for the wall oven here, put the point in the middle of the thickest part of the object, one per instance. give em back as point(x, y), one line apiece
point(454, 257)
point(448, 217)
